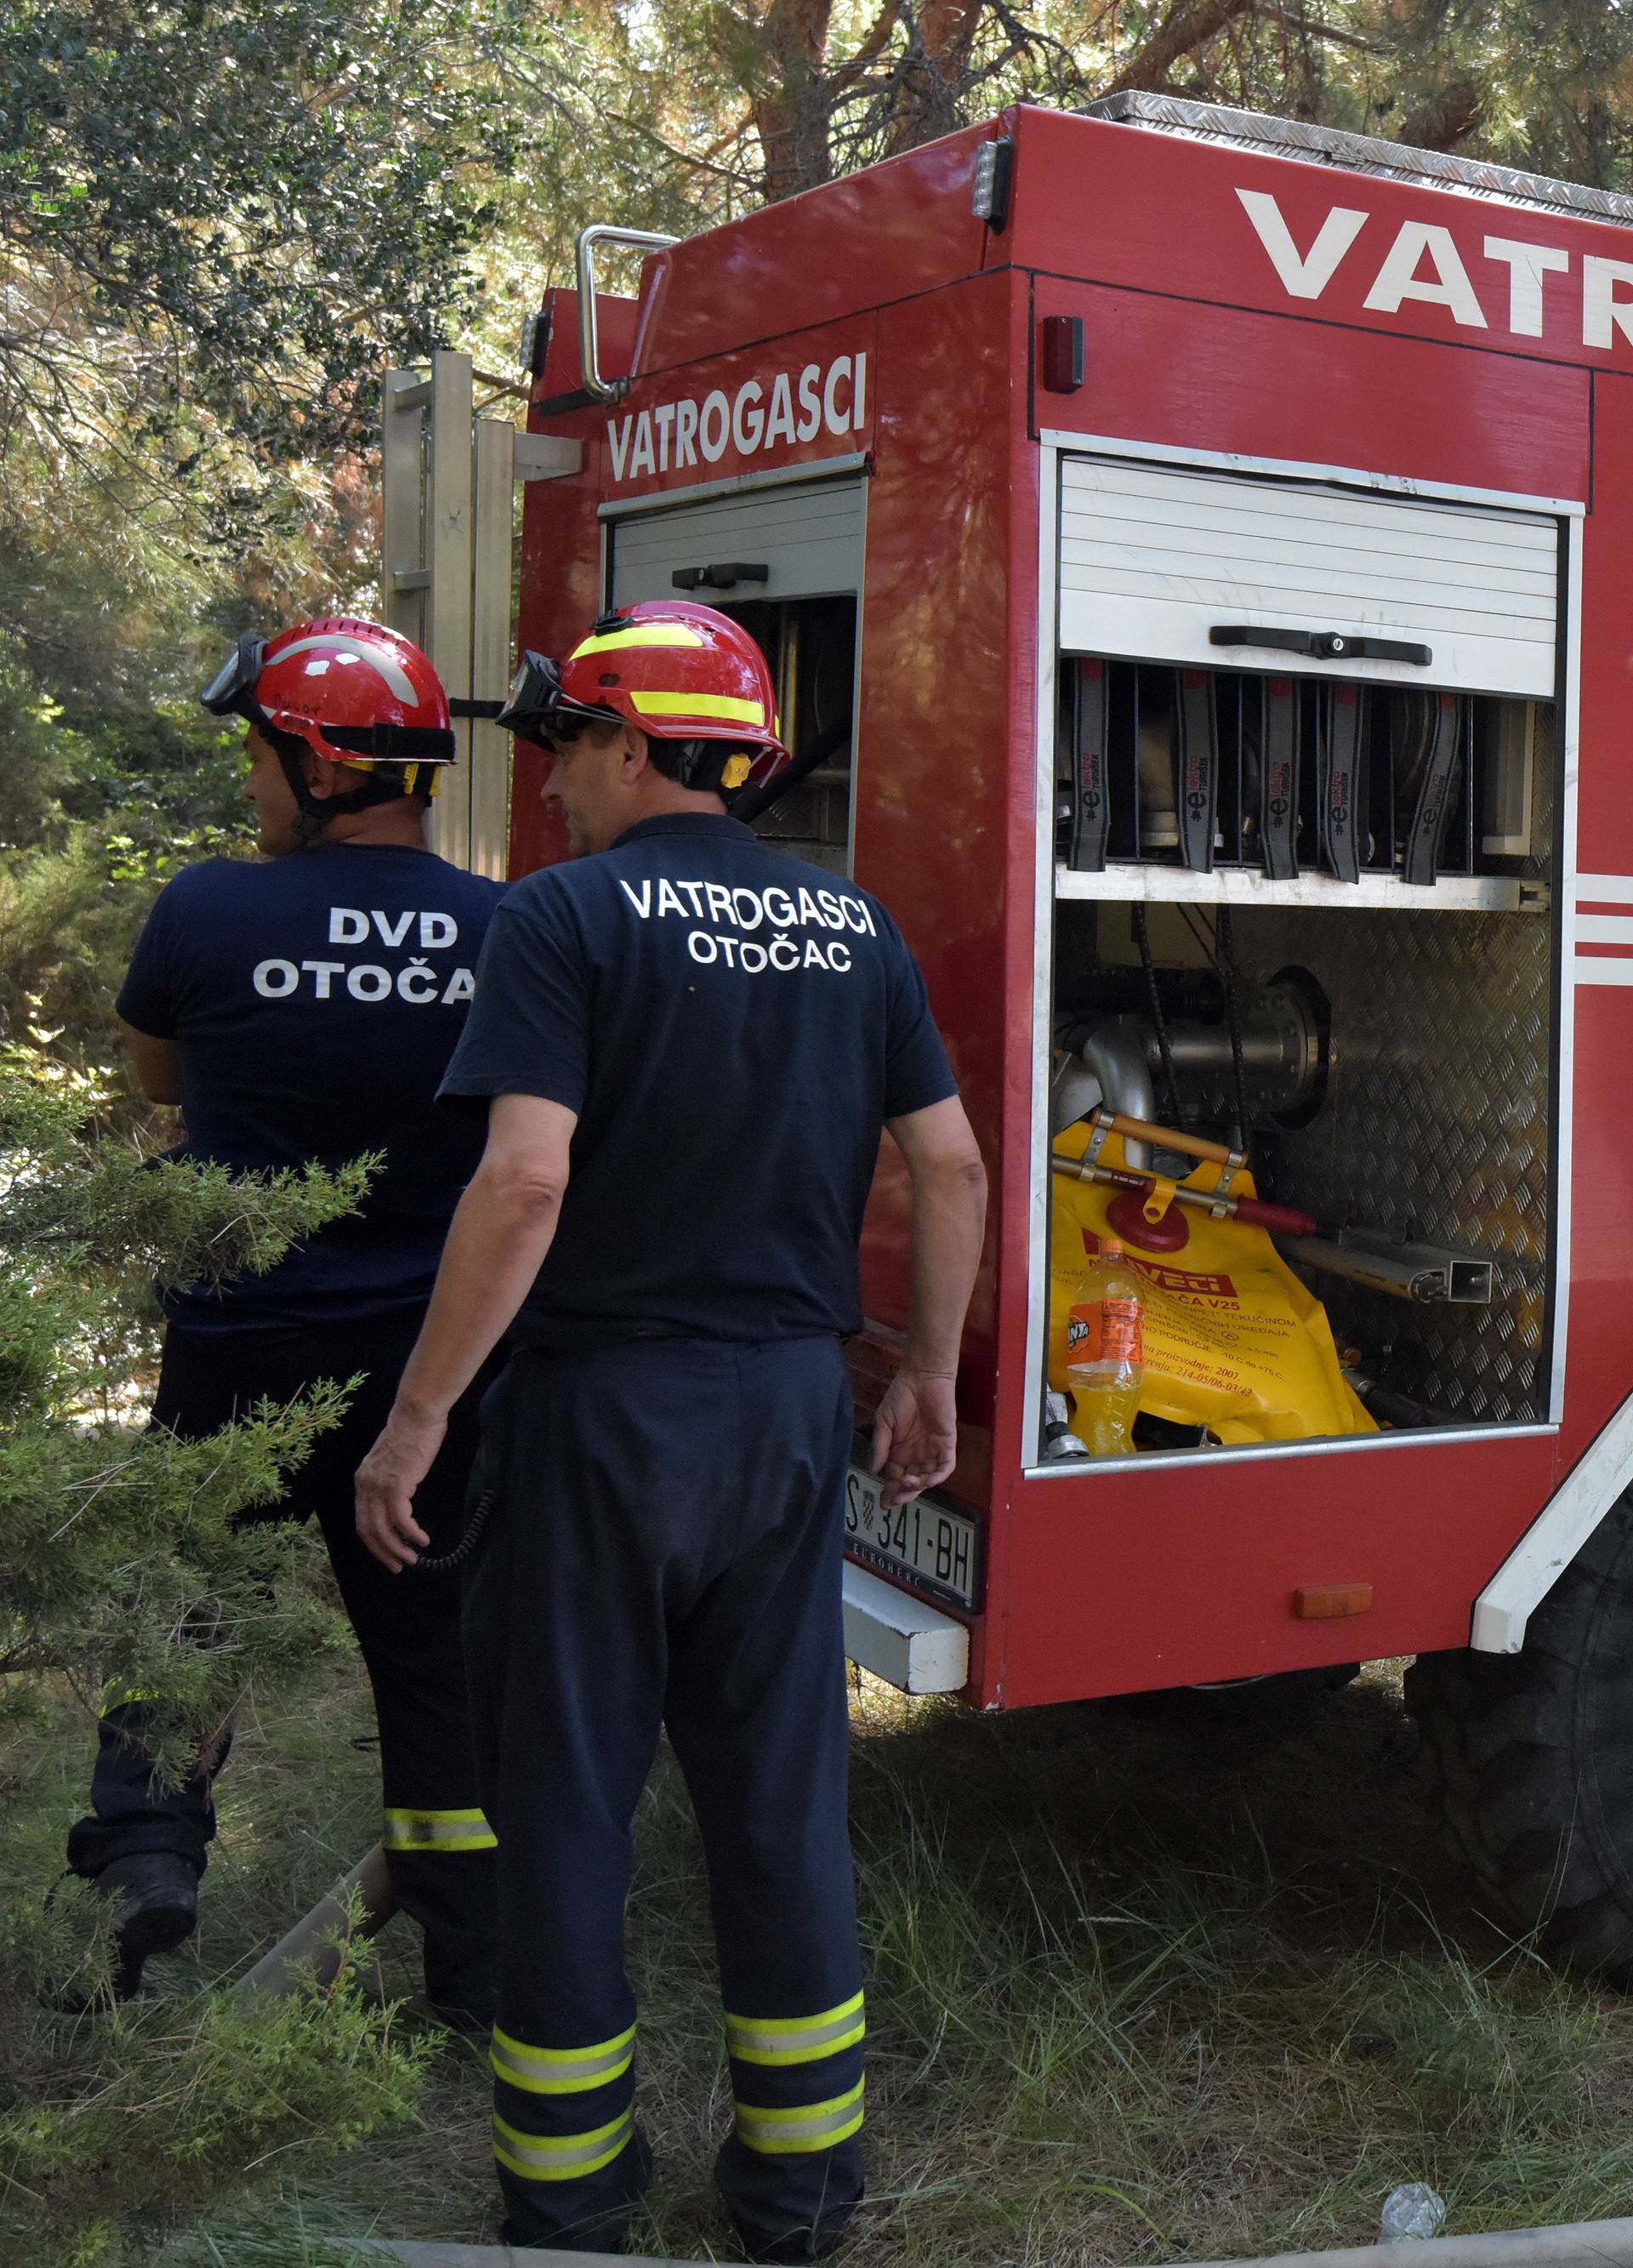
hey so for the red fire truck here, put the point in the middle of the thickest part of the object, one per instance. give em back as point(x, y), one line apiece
point(1193, 548)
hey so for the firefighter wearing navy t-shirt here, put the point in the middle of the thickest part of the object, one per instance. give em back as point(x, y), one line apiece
point(685, 1046)
point(306, 1009)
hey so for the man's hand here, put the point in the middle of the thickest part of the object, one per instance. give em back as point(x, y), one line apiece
point(386, 1480)
point(501, 1231)
point(914, 1434)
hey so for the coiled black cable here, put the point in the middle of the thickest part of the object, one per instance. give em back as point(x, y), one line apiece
point(443, 1563)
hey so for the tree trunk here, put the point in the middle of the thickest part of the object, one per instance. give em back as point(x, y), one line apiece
point(792, 119)
point(1442, 121)
point(934, 72)
point(1182, 32)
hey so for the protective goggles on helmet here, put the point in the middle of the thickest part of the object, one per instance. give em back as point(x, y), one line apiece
point(231, 690)
point(536, 709)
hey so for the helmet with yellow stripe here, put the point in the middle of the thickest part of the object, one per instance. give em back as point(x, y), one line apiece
point(694, 681)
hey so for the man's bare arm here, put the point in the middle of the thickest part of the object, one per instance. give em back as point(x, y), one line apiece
point(156, 1063)
point(502, 1230)
point(916, 1432)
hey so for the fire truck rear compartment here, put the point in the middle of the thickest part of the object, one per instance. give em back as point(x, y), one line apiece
point(784, 560)
point(1390, 1044)
point(1304, 763)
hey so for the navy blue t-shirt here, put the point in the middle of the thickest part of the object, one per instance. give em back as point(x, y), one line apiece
point(314, 1002)
point(733, 1028)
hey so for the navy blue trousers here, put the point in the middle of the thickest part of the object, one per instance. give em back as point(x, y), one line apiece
point(666, 1553)
point(439, 1848)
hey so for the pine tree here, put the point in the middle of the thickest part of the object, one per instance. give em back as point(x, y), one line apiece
point(121, 1567)
point(116, 1540)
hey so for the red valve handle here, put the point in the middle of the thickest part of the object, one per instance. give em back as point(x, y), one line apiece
point(1258, 1212)
point(1281, 1221)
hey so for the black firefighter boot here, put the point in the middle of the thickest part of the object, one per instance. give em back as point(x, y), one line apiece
point(158, 1892)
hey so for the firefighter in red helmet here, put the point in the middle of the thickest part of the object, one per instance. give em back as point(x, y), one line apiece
point(685, 1046)
point(351, 713)
point(305, 1009)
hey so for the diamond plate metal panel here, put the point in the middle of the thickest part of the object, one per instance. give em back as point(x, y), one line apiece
point(1357, 153)
point(1435, 1128)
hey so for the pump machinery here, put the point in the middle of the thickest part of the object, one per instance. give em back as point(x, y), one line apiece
point(1194, 551)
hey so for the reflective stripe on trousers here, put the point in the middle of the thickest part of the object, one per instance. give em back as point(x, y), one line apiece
point(810, 2126)
point(703, 1592)
point(560, 2157)
point(561, 2071)
point(410, 1830)
point(795, 2039)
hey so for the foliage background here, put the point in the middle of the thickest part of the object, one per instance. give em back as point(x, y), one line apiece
point(218, 219)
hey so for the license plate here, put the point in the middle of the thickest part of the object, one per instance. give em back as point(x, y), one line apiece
point(923, 1544)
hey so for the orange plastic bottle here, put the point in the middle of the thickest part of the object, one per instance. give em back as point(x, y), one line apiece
point(1105, 1353)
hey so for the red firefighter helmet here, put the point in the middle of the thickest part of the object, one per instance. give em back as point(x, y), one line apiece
point(681, 672)
point(355, 691)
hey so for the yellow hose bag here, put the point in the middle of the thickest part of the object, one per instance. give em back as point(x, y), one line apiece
point(1233, 1340)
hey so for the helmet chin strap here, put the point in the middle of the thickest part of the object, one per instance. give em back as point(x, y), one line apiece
point(313, 816)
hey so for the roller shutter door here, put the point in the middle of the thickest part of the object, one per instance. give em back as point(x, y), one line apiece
point(807, 537)
point(1152, 559)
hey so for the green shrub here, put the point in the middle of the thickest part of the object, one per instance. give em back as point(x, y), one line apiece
point(135, 2120)
point(115, 1543)
point(113, 1539)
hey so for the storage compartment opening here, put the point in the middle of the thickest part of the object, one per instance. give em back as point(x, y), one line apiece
point(1371, 1053)
point(811, 645)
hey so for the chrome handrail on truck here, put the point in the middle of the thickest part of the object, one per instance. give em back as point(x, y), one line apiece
point(640, 239)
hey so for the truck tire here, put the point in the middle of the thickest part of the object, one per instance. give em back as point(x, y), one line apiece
point(1527, 1759)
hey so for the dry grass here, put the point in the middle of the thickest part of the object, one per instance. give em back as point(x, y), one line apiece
point(1146, 1983)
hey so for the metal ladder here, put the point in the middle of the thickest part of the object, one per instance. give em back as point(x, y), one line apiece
point(448, 539)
